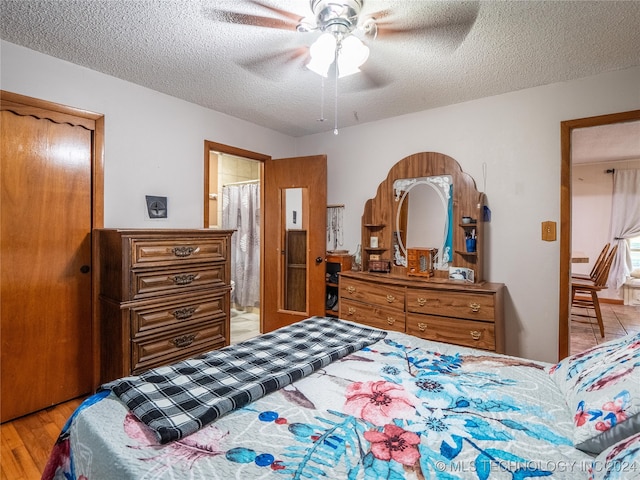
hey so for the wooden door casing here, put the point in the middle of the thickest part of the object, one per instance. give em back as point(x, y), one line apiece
point(310, 174)
point(566, 129)
point(47, 209)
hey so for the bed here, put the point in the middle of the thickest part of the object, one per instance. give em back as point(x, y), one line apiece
point(351, 402)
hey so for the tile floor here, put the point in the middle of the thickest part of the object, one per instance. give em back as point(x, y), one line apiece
point(244, 325)
point(619, 320)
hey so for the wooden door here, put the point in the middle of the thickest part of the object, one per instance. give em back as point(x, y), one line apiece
point(294, 187)
point(46, 208)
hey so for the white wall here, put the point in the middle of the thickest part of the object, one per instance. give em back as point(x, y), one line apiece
point(154, 143)
point(517, 135)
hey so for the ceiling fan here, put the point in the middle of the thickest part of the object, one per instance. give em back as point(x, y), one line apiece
point(342, 14)
point(345, 28)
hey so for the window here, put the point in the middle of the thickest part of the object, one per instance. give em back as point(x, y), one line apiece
point(634, 245)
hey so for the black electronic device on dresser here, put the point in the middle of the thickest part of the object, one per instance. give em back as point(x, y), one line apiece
point(336, 262)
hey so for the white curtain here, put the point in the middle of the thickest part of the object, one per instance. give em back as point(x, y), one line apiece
point(241, 212)
point(625, 221)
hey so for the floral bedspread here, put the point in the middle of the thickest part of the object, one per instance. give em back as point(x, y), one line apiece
point(401, 408)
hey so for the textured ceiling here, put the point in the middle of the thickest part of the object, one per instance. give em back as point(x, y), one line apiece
point(606, 143)
point(461, 51)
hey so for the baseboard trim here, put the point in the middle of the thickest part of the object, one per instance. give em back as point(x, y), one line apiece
point(612, 301)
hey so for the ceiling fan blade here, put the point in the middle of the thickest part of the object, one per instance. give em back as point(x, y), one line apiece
point(379, 15)
point(449, 29)
point(278, 11)
point(272, 66)
point(371, 78)
point(287, 20)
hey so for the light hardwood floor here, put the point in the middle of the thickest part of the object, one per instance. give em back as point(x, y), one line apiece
point(27, 441)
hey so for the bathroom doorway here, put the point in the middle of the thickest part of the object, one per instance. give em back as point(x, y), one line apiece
point(234, 191)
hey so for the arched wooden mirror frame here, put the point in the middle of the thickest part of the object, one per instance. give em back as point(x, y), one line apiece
point(379, 215)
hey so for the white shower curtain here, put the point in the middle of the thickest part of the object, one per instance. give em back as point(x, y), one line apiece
point(241, 212)
point(625, 221)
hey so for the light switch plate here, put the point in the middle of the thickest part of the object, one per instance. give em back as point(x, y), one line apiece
point(549, 231)
point(156, 206)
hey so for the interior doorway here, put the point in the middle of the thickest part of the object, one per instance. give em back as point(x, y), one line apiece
point(596, 154)
point(566, 133)
point(233, 200)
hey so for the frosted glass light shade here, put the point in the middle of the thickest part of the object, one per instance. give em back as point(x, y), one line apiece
point(352, 54)
point(323, 53)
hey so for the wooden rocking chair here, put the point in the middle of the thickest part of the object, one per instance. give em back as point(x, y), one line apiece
point(590, 288)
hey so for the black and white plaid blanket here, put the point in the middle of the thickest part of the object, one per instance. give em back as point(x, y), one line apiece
point(179, 399)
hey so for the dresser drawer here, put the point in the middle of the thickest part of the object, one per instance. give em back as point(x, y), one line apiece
point(451, 330)
point(159, 318)
point(372, 293)
point(164, 282)
point(451, 304)
point(380, 317)
point(150, 352)
point(176, 251)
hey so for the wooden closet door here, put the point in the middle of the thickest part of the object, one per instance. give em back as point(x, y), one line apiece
point(45, 170)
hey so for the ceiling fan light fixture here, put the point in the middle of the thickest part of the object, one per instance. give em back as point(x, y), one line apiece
point(321, 68)
point(350, 51)
point(352, 54)
point(323, 53)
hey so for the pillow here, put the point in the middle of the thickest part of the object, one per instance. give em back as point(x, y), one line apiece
point(618, 462)
point(602, 389)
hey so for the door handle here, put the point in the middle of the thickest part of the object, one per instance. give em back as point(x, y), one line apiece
point(319, 260)
point(85, 269)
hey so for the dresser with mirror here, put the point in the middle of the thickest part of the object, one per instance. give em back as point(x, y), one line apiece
point(423, 240)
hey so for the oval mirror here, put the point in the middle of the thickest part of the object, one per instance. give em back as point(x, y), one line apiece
point(423, 213)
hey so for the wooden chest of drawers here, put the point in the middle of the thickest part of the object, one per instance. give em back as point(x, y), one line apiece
point(464, 314)
point(164, 296)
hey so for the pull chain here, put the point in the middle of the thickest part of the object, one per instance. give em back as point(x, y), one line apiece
point(321, 119)
point(335, 107)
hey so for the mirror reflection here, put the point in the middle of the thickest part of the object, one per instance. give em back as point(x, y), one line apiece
point(294, 269)
point(423, 217)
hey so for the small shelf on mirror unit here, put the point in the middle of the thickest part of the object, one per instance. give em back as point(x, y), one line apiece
point(374, 226)
point(469, 254)
point(375, 249)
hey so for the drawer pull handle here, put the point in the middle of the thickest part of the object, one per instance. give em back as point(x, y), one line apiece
point(351, 311)
point(183, 251)
point(391, 320)
point(475, 334)
point(422, 327)
point(351, 289)
point(475, 307)
point(184, 340)
point(183, 279)
point(391, 298)
point(184, 313)
point(421, 301)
